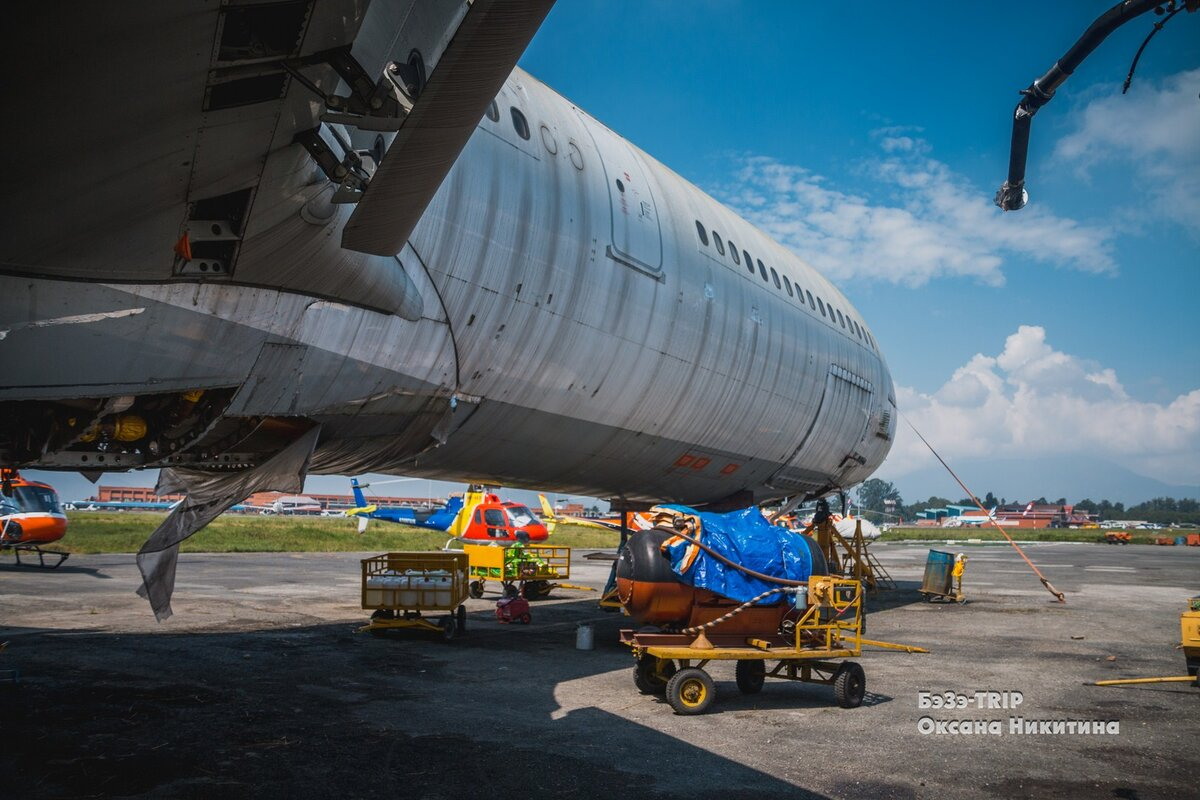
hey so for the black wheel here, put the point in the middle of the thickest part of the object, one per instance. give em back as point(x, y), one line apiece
point(511, 590)
point(475, 589)
point(651, 674)
point(751, 675)
point(536, 590)
point(383, 613)
point(850, 685)
point(460, 618)
point(690, 691)
point(449, 628)
point(526, 618)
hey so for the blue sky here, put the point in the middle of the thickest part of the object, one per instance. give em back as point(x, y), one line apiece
point(870, 139)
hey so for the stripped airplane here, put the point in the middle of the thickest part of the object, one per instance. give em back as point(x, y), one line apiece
point(324, 236)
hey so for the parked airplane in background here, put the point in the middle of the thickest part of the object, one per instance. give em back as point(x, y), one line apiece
point(973, 520)
point(122, 505)
point(352, 237)
point(30, 516)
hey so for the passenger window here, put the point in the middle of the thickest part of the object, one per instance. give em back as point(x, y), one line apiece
point(821, 305)
point(702, 233)
point(749, 261)
point(810, 300)
point(787, 284)
point(493, 112)
point(841, 319)
point(762, 270)
point(733, 251)
point(520, 125)
point(775, 277)
point(720, 245)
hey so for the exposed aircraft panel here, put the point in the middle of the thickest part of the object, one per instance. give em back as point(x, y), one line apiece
point(837, 429)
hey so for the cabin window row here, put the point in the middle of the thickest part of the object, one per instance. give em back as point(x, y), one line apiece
point(771, 276)
point(520, 125)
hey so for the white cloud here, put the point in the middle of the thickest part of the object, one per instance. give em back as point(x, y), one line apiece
point(930, 223)
point(1033, 400)
point(1156, 128)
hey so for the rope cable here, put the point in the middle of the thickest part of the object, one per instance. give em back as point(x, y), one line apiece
point(1049, 587)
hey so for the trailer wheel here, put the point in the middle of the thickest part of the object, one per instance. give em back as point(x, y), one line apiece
point(460, 617)
point(475, 589)
point(690, 691)
point(850, 685)
point(526, 618)
point(511, 590)
point(751, 675)
point(651, 674)
point(536, 590)
point(449, 628)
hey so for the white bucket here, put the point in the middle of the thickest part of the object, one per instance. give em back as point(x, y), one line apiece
point(584, 636)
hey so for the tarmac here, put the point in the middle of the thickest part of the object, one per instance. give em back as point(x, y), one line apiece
point(259, 686)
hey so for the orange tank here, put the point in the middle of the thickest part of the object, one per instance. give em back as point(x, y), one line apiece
point(653, 595)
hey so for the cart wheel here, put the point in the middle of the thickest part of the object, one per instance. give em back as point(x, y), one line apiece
point(475, 589)
point(751, 675)
point(849, 685)
point(383, 613)
point(651, 674)
point(449, 628)
point(511, 590)
point(536, 590)
point(526, 618)
point(460, 617)
point(690, 691)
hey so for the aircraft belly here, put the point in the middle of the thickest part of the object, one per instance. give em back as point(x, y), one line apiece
point(127, 339)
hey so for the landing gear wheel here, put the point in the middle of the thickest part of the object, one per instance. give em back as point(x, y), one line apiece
point(475, 589)
point(652, 674)
point(449, 628)
point(526, 618)
point(850, 685)
point(460, 618)
point(690, 691)
point(751, 675)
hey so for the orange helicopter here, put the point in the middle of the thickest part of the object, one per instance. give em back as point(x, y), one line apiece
point(30, 516)
point(485, 518)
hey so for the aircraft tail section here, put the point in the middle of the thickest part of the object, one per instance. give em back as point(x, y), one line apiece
point(359, 499)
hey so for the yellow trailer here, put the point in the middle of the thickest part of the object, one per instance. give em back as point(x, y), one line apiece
point(830, 630)
point(401, 589)
point(532, 570)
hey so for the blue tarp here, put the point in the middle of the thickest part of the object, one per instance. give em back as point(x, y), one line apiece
point(744, 537)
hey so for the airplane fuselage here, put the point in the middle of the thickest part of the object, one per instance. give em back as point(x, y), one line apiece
point(569, 315)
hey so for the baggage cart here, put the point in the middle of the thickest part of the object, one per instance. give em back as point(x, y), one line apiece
point(406, 590)
point(532, 570)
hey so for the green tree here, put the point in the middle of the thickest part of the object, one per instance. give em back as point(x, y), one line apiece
point(873, 495)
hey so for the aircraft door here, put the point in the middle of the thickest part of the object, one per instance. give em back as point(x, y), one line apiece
point(635, 232)
point(497, 526)
point(828, 449)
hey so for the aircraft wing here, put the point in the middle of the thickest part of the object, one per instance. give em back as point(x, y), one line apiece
point(483, 53)
point(205, 121)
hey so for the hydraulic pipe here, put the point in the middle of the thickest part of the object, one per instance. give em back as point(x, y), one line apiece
point(1012, 195)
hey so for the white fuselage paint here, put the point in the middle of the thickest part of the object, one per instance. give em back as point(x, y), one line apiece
point(592, 342)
